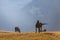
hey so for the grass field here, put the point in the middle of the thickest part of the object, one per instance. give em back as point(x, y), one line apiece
point(30, 36)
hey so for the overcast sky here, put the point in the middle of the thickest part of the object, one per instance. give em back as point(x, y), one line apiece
point(25, 13)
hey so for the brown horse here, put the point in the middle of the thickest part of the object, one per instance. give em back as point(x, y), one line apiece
point(39, 26)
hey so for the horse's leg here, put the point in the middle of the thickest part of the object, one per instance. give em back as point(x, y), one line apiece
point(19, 30)
point(36, 29)
point(41, 28)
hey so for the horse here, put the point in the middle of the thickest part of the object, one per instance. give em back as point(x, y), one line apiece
point(38, 26)
point(17, 29)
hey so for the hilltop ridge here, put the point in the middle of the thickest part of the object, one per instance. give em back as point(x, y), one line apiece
point(30, 36)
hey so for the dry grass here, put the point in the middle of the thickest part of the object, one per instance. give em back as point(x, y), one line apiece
point(30, 36)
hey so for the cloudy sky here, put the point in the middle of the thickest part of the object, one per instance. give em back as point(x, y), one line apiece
point(25, 13)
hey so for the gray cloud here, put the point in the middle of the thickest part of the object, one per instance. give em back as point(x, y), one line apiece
point(24, 13)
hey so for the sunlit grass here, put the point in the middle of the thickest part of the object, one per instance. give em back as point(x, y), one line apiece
point(29, 36)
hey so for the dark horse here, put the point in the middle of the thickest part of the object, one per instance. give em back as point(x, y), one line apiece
point(39, 26)
point(17, 29)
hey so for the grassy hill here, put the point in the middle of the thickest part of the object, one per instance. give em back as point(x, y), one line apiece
point(30, 36)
